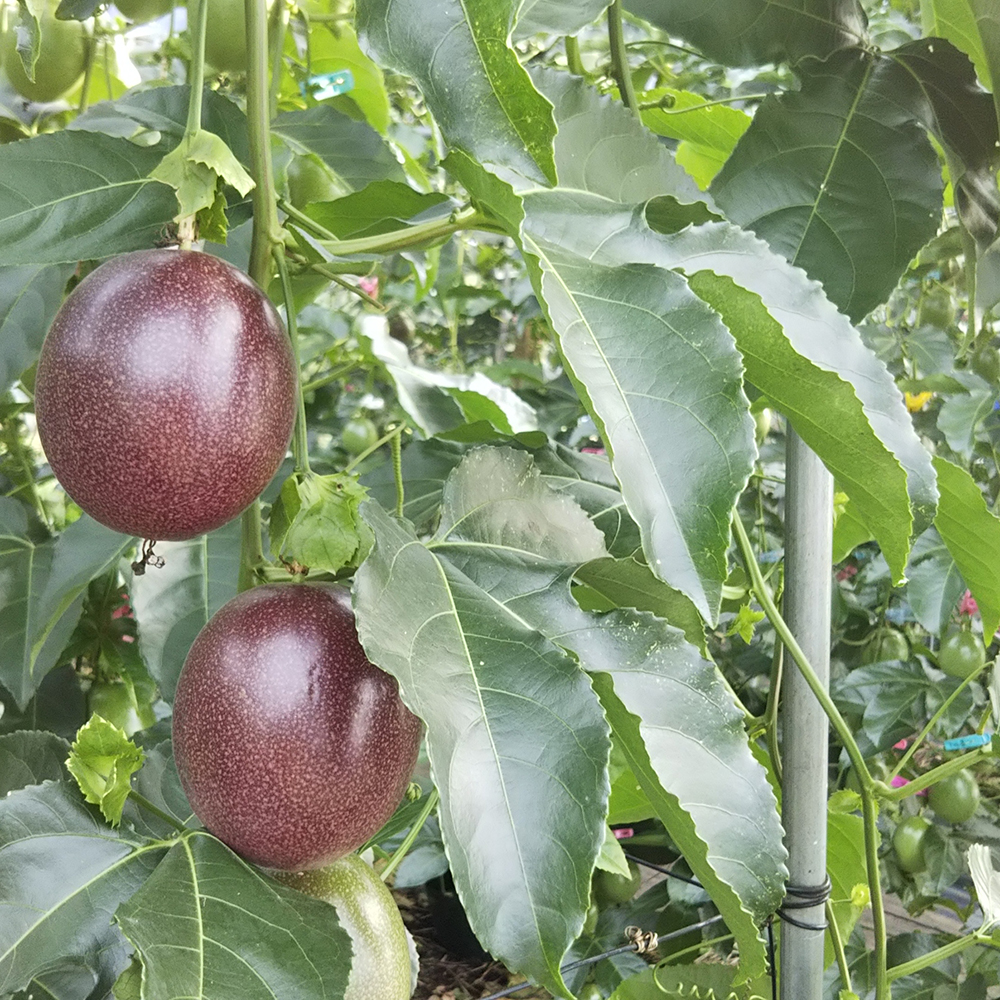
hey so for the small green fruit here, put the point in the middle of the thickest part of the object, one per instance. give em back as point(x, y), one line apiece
point(611, 889)
point(366, 910)
point(143, 11)
point(962, 653)
point(358, 435)
point(908, 844)
point(61, 58)
point(309, 181)
point(955, 798)
point(886, 644)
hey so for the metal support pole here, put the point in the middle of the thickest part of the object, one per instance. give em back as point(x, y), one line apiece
point(804, 729)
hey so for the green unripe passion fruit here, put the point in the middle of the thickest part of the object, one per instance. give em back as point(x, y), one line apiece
point(955, 798)
point(365, 908)
point(143, 11)
point(886, 644)
point(962, 653)
point(61, 58)
point(309, 181)
point(908, 844)
point(610, 889)
point(359, 435)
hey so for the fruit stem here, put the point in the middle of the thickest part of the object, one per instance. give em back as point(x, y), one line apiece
point(199, 18)
point(937, 955)
point(90, 50)
point(838, 948)
point(300, 440)
point(619, 58)
point(156, 810)
point(354, 289)
point(277, 27)
point(574, 63)
point(904, 760)
point(375, 447)
point(404, 847)
point(251, 547)
point(933, 776)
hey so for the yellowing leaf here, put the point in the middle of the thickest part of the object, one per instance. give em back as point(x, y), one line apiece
point(102, 760)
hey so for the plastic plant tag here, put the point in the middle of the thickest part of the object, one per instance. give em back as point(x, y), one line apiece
point(327, 85)
point(968, 742)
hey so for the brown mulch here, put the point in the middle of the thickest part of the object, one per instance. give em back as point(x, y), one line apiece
point(443, 975)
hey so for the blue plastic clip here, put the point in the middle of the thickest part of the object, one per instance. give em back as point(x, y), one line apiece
point(329, 84)
point(968, 742)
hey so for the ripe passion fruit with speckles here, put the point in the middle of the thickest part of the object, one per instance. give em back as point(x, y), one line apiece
point(292, 747)
point(165, 393)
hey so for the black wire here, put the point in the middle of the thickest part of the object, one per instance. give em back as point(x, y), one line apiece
point(771, 960)
point(517, 987)
point(664, 871)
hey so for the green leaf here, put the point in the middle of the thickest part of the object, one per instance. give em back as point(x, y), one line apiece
point(103, 760)
point(754, 32)
point(41, 594)
point(709, 981)
point(745, 622)
point(63, 874)
point(29, 35)
point(461, 57)
point(972, 533)
point(380, 207)
point(353, 150)
point(845, 862)
point(934, 583)
point(648, 356)
point(197, 168)
point(30, 757)
point(29, 299)
point(666, 704)
point(128, 986)
point(804, 356)
point(556, 16)
point(198, 937)
point(159, 783)
point(966, 24)
point(315, 522)
point(430, 398)
point(838, 178)
point(612, 857)
point(105, 205)
point(707, 135)
point(172, 604)
point(511, 722)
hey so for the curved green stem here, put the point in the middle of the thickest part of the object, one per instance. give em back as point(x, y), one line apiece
point(838, 949)
point(911, 749)
point(358, 459)
point(141, 800)
point(573, 61)
point(619, 58)
point(251, 546)
point(771, 711)
point(933, 776)
point(90, 51)
point(276, 41)
point(300, 439)
point(198, 12)
point(869, 806)
point(404, 847)
point(304, 220)
point(935, 956)
point(345, 284)
point(413, 236)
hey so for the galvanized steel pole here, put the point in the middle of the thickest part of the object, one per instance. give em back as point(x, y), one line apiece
point(808, 550)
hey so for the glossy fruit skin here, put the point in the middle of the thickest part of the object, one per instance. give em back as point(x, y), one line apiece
point(962, 653)
point(226, 36)
point(165, 393)
point(358, 435)
point(61, 58)
point(886, 644)
point(955, 798)
point(611, 889)
point(380, 969)
point(292, 748)
point(908, 844)
point(143, 11)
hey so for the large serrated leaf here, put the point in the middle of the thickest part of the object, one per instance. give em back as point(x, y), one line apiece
point(79, 195)
point(30, 757)
point(207, 925)
point(460, 55)
point(29, 299)
point(41, 594)
point(62, 875)
point(556, 16)
point(511, 722)
point(665, 702)
point(967, 24)
point(173, 603)
point(972, 533)
point(838, 178)
point(753, 32)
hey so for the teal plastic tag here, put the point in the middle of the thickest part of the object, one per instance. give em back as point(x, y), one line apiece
point(968, 742)
point(329, 84)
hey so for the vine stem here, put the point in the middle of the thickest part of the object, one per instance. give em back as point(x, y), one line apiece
point(404, 847)
point(869, 806)
point(385, 439)
point(199, 18)
point(911, 749)
point(934, 775)
point(838, 948)
point(573, 60)
point(141, 800)
point(265, 227)
point(300, 440)
point(619, 58)
point(90, 51)
point(935, 956)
